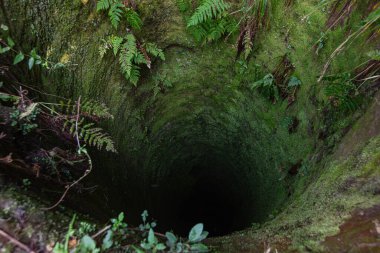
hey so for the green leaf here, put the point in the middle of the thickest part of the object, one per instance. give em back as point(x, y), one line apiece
point(137, 249)
point(31, 62)
point(5, 97)
point(294, 82)
point(144, 215)
point(195, 232)
point(171, 237)
point(151, 237)
point(107, 241)
point(4, 49)
point(4, 27)
point(19, 58)
point(199, 247)
point(11, 43)
point(160, 246)
point(87, 244)
point(203, 236)
point(121, 217)
point(146, 246)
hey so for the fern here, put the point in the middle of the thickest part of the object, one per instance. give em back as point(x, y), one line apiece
point(89, 108)
point(183, 5)
point(133, 19)
point(115, 13)
point(153, 49)
point(342, 92)
point(103, 5)
point(257, 18)
point(127, 53)
point(131, 52)
point(92, 136)
point(89, 113)
point(116, 42)
point(208, 10)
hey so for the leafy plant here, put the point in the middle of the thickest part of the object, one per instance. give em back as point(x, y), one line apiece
point(208, 10)
point(370, 24)
point(144, 239)
point(83, 128)
point(116, 9)
point(8, 46)
point(256, 18)
point(132, 54)
point(25, 119)
point(64, 247)
point(210, 21)
point(161, 83)
point(342, 92)
point(267, 86)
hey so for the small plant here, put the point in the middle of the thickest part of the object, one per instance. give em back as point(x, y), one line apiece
point(25, 118)
point(208, 10)
point(85, 228)
point(210, 21)
point(33, 58)
point(26, 183)
point(161, 84)
point(130, 51)
point(342, 92)
point(119, 236)
point(256, 18)
point(267, 86)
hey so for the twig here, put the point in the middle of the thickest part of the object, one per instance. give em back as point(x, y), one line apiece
point(341, 47)
point(15, 241)
point(68, 187)
point(88, 171)
point(101, 231)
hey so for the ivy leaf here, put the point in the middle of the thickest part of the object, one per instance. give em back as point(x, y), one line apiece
point(19, 58)
point(195, 232)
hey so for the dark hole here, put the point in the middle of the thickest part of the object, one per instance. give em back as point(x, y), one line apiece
point(209, 194)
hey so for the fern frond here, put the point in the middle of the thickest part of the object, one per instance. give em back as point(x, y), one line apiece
point(199, 32)
point(116, 43)
point(92, 136)
point(115, 13)
point(207, 10)
point(139, 59)
point(183, 5)
point(95, 109)
point(103, 5)
point(154, 50)
point(127, 53)
point(133, 19)
point(135, 75)
point(88, 109)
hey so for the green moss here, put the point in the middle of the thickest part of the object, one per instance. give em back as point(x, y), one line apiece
point(210, 114)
